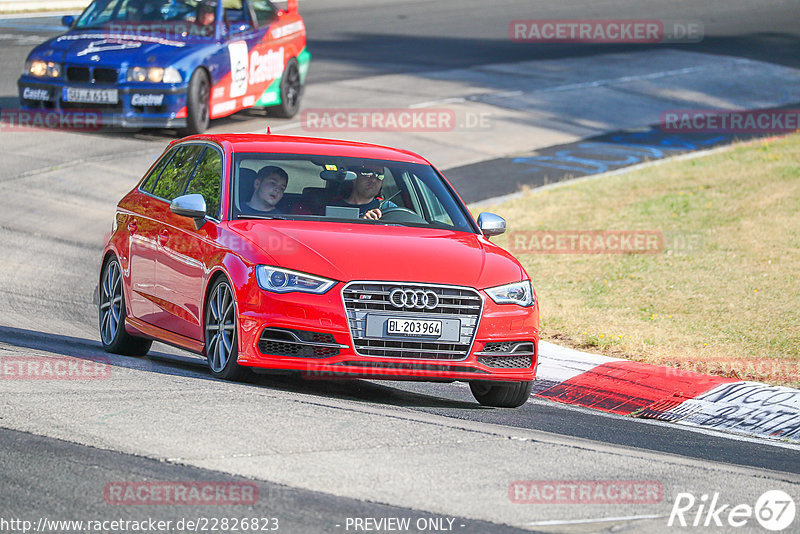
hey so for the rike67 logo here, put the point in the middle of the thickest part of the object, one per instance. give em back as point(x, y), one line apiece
point(774, 511)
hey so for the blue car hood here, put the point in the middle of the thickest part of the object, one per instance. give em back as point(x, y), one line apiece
point(110, 48)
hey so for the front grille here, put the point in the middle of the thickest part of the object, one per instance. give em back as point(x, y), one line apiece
point(99, 75)
point(102, 75)
point(79, 74)
point(454, 303)
point(508, 362)
point(297, 343)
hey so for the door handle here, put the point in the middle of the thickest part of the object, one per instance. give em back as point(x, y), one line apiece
point(163, 237)
point(132, 226)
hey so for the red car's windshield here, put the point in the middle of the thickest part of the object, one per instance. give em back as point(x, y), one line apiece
point(339, 188)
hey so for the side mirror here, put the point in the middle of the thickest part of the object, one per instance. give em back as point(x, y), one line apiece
point(192, 206)
point(68, 21)
point(491, 224)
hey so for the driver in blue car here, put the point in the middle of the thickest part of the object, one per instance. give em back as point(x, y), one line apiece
point(364, 196)
point(205, 17)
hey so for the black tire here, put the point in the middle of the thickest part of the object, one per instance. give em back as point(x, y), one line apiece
point(198, 99)
point(112, 312)
point(221, 340)
point(291, 92)
point(501, 394)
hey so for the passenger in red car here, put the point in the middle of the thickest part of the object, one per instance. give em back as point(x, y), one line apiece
point(364, 196)
point(270, 184)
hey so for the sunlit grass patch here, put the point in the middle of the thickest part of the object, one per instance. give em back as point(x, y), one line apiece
point(725, 287)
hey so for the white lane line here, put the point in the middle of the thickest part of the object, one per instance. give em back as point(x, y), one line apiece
point(626, 79)
point(556, 522)
point(32, 27)
point(42, 15)
point(454, 100)
point(574, 86)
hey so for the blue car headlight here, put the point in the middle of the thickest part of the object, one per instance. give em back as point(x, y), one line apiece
point(43, 69)
point(279, 280)
point(154, 75)
point(517, 293)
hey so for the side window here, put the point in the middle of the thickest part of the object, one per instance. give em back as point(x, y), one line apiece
point(235, 12)
point(150, 181)
point(434, 207)
point(264, 10)
point(177, 172)
point(207, 181)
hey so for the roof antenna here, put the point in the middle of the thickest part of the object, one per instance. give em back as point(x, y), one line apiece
point(269, 132)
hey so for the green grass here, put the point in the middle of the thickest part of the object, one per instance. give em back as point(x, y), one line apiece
point(724, 294)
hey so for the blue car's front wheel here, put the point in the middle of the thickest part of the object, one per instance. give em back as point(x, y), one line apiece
point(197, 103)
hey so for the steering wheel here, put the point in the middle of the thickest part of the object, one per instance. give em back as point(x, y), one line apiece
point(398, 214)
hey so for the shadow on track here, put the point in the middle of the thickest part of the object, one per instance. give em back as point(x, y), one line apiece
point(193, 366)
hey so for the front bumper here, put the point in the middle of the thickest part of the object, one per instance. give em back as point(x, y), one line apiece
point(138, 106)
point(311, 334)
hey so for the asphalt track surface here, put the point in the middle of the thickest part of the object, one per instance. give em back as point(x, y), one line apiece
point(349, 40)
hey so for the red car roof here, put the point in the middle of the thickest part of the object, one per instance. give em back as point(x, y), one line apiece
point(285, 144)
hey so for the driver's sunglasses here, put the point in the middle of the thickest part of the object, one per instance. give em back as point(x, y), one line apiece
point(369, 173)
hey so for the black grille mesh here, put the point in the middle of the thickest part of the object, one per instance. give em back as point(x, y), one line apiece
point(281, 342)
point(508, 362)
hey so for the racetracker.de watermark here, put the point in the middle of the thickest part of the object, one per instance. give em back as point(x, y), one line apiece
point(625, 31)
point(586, 492)
point(22, 120)
point(758, 121)
point(586, 242)
point(54, 368)
point(180, 493)
point(392, 120)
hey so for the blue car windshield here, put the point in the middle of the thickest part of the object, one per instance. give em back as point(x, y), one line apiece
point(176, 17)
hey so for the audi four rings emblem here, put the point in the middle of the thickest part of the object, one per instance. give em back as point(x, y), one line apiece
point(413, 298)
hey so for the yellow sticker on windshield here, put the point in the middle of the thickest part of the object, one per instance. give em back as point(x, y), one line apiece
point(330, 167)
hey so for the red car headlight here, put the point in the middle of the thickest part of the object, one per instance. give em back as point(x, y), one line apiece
point(520, 293)
point(279, 280)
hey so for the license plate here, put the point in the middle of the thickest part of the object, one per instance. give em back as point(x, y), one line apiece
point(90, 96)
point(413, 327)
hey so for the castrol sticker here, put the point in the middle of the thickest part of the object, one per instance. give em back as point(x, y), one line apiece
point(266, 67)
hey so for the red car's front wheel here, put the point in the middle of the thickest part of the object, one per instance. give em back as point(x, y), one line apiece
point(222, 347)
point(501, 394)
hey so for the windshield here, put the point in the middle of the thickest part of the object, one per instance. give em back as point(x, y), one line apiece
point(326, 188)
point(178, 17)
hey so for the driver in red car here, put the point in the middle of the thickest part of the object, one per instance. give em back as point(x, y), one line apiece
point(270, 185)
point(364, 196)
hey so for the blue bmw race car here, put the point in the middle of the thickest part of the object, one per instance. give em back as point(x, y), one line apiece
point(170, 63)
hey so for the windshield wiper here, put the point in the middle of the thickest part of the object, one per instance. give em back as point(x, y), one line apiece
point(263, 217)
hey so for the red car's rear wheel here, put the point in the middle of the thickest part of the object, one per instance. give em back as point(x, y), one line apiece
point(111, 308)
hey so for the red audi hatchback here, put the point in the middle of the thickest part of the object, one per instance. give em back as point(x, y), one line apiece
point(329, 258)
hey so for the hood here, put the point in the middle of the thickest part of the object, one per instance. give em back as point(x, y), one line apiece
point(345, 252)
point(107, 48)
